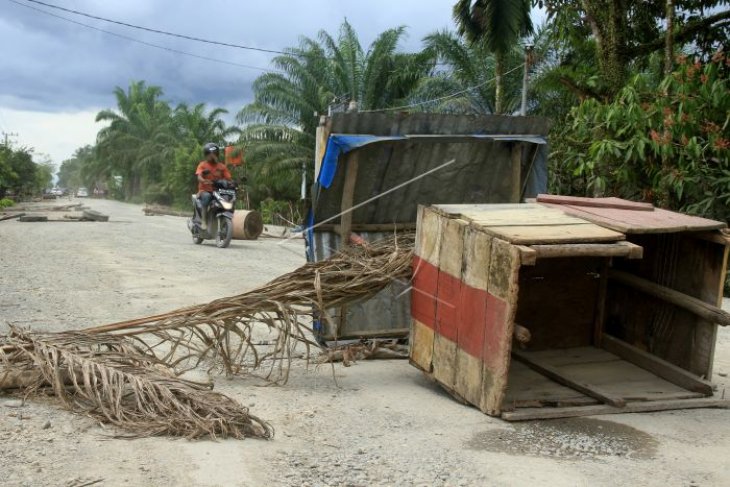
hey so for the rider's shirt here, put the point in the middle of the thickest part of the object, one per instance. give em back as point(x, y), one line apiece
point(217, 170)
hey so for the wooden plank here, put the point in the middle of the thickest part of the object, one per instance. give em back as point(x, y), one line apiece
point(468, 377)
point(610, 202)
point(516, 161)
point(631, 407)
point(348, 195)
point(618, 249)
point(477, 253)
point(33, 219)
point(428, 237)
point(630, 221)
point(557, 375)
point(554, 234)
point(521, 216)
point(444, 366)
point(11, 217)
point(95, 216)
point(662, 368)
point(706, 311)
point(421, 346)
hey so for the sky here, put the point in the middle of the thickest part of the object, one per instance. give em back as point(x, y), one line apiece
point(55, 75)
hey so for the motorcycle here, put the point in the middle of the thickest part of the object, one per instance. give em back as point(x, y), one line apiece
point(217, 219)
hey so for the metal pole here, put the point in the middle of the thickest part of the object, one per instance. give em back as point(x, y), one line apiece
point(525, 79)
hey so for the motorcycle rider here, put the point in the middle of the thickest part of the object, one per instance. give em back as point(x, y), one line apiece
point(209, 170)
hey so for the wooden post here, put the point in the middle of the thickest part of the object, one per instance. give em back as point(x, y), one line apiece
point(516, 172)
point(708, 312)
point(348, 197)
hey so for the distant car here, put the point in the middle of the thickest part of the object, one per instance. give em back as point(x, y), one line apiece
point(82, 193)
point(57, 192)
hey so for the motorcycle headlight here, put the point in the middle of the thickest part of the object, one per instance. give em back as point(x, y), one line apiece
point(227, 205)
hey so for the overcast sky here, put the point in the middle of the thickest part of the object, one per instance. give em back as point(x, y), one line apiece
point(55, 75)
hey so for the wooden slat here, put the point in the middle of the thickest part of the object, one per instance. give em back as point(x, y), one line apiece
point(662, 368)
point(559, 376)
point(618, 249)
point(631, 407)
point(554, 234)
point(630, 221)
point(610, 202)
point(711, 313)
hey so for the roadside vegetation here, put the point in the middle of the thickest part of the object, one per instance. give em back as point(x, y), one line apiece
point(20, 175)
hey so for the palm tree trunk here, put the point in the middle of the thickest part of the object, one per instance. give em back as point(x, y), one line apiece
point(498, 77)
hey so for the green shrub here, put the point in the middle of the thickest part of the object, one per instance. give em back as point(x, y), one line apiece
point(666, 144)
point(6, 203)
point(279, 212)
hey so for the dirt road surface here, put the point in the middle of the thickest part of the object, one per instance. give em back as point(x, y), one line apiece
point(384, 424)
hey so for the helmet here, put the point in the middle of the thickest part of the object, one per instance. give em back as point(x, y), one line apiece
point(209, 148)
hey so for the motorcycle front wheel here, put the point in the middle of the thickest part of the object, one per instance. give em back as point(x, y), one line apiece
point(225, 233)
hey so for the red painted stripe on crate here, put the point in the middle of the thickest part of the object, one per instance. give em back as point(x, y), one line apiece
point(470, 317)
point(423, 294)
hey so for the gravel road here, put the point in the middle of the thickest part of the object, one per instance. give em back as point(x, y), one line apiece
point(383, 424)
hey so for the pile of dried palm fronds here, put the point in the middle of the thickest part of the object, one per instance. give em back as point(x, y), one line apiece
point(128, 373)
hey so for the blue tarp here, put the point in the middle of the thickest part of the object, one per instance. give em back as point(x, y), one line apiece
point(339, 144)
point(342, 144)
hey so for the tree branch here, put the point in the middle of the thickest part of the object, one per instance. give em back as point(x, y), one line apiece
point(682, 35)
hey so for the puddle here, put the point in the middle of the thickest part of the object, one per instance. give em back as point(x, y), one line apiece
point(572, 438)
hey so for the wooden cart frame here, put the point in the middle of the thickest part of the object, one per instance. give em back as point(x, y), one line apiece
point(620, 313)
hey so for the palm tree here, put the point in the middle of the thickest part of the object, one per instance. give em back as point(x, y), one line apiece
point(196, 124)
point(467, 84)
point(280, 124)
point(139, 136)
point(499, 25)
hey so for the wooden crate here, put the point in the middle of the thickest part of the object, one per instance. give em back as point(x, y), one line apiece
point(480, 269)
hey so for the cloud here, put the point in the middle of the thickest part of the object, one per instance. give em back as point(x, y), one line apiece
point(57, 134)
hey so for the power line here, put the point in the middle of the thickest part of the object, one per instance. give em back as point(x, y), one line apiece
point(156, 31)
point(446, 97)
point(132, 39)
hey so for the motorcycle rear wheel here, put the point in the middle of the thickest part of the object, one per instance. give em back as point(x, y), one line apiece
point(225, 233)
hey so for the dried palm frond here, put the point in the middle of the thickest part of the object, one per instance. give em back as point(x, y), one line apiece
point(222, 331)
point(128, 373)
point(109, 378)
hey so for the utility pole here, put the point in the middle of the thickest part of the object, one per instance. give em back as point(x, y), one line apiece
point(525, 78)
point(6, 138)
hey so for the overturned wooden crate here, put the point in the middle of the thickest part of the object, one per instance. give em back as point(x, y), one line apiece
point(527, 311)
